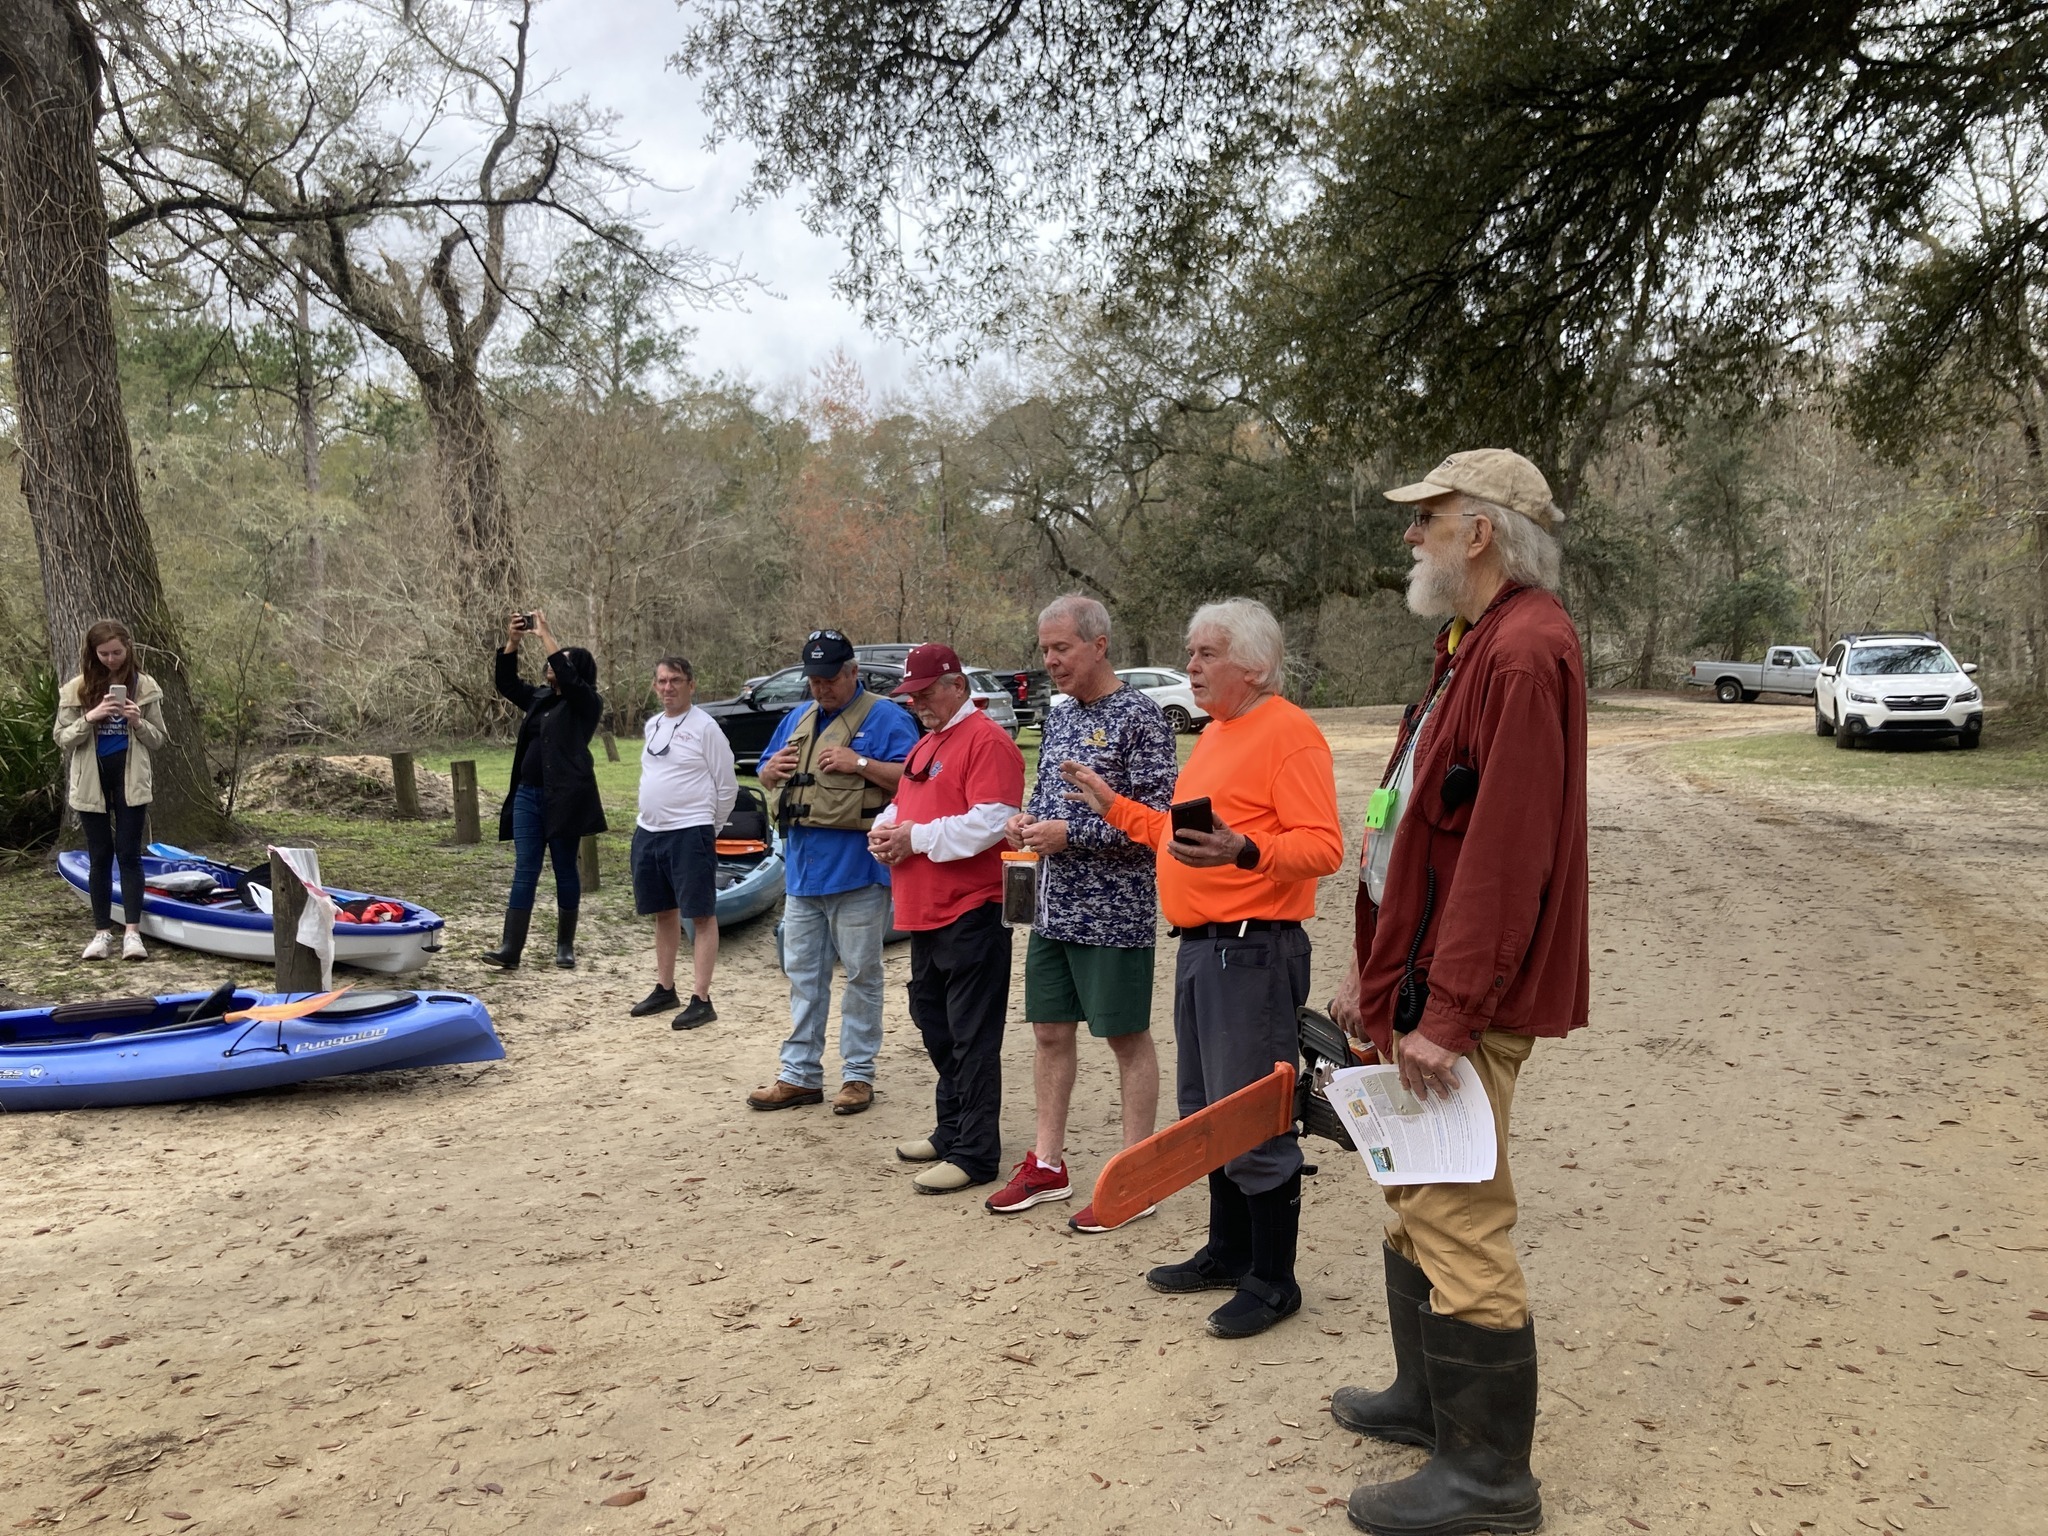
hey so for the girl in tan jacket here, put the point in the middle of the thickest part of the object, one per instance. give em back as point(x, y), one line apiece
point(110, 718)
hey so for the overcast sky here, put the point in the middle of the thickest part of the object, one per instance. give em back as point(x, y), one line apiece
point(616, 53)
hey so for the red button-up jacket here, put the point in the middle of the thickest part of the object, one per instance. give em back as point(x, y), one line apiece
point(1505, 946)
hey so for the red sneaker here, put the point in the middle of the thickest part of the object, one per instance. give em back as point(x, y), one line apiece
point(1084, 1220)
point(1030, 1185)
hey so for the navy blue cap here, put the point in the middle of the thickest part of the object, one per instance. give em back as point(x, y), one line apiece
point(826, 652)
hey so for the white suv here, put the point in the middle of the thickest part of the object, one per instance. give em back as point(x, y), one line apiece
point(1896, 685)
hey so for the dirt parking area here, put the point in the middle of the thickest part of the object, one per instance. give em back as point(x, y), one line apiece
point(1785, 1214)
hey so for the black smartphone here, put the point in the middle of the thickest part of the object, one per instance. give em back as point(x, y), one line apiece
point(1192, 816)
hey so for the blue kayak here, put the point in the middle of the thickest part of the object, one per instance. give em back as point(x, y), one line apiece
point(154, 1050)
point(211, 913)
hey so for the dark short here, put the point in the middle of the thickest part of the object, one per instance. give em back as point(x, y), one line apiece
point(676, 871)
point(1110, 988)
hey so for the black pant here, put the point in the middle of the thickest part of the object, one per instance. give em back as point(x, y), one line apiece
point(959, 993)
point(1233, 1017)
point(115, 833)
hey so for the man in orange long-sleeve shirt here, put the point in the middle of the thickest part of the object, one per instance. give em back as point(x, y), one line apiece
point(1236, 896)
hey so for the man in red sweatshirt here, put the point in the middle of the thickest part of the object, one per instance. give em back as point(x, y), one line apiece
point(1471, 941)
point(961, 785)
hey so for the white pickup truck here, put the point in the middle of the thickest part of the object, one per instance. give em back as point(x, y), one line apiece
point(1784, 669)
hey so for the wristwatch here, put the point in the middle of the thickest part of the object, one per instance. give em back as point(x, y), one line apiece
point(1247, 856)
point(861, 763)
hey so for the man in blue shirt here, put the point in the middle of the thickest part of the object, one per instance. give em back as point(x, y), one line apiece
point(829, 769)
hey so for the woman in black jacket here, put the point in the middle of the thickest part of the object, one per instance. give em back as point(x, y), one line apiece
point(553, 801)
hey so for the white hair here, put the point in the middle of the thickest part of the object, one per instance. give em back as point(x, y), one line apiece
point(1089, 618)
point(1529, 555)
point(1250, 633)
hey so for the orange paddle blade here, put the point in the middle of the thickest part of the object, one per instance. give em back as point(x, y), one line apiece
point(1189, 1149)
point(277, 1013)
point(732, 846)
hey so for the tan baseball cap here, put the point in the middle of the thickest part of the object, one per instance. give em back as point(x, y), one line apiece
point(1497, 475)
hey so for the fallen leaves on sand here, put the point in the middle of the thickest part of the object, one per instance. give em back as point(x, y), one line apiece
point(624, 1497)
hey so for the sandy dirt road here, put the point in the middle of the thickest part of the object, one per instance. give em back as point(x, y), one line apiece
point(1785, 1214)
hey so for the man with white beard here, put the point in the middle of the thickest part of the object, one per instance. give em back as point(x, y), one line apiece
point(1471, 941)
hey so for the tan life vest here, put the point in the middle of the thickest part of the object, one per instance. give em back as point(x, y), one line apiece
point(842, 802)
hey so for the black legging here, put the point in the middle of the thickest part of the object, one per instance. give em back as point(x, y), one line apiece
point(110, 835)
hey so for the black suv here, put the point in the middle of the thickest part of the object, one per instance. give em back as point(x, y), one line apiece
point(750, 717)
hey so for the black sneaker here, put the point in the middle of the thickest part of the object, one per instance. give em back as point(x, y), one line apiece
point(660, 1000)
point(699, 1012)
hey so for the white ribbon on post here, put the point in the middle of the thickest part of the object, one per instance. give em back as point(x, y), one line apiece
point(316, 921)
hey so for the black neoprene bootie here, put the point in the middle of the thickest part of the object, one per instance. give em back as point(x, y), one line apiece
point(565, 937)
point(1226, 1258)
point(1401, 1413)
point(1268, 1294)
point(1482, 1387)
point(506, 956)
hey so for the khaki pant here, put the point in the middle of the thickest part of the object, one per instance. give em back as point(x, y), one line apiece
point(1461, 1235)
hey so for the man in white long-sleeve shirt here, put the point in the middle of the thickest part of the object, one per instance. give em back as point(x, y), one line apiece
point(961, 785)
point(687, 792)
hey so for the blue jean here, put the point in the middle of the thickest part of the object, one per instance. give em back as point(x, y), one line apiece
point(529, 841)
point(849, 927)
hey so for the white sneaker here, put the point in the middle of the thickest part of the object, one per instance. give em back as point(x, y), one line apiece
point(101, 946)
point(131, 947)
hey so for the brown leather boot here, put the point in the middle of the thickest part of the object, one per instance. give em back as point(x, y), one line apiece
point(781, 1095)
point(853, 1097)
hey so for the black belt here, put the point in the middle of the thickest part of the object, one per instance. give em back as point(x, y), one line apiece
point(1234, 930)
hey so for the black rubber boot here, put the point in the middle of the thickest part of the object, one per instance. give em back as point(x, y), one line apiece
point(506, 956)
point(1401, 1413)
point(1482, 1386)
point(1268, 1294)
point(565, 937)
point(1226, 1258)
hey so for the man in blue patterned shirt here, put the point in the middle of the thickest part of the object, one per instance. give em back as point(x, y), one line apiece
point(1090, 955)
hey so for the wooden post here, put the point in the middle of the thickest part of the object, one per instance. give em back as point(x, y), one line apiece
point(611, 747)
point(467, 828)
point(586, 862)
point(298, 968)
point(405, 786)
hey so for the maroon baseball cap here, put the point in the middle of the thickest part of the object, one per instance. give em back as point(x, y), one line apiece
point(925, 665)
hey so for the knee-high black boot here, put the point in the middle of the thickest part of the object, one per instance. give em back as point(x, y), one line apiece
point(506, 955)
point(1482, 1388)
point(1226, 1258)
point(1401, 1413)
point(565, 937)
point(1268, 1294)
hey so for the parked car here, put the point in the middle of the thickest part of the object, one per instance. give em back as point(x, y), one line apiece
point(1170, 691)
point(892, 654)
point(750, 717)
point(1894, 685)
point(1784, 669)
point(990, 695)
point(1030, 691)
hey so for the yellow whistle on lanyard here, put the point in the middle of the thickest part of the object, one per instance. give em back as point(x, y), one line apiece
point(1379, 809)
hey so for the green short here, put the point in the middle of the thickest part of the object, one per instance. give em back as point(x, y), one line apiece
point(1066, 983)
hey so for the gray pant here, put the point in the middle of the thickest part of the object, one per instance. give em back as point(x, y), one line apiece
point(1233, 1017)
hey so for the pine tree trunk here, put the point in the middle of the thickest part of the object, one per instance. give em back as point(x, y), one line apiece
point(77, 475)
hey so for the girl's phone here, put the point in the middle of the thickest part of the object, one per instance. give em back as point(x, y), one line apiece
point(118, 692)
point(1192, 816)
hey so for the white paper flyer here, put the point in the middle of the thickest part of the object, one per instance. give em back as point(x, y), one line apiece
point(1406, 1140)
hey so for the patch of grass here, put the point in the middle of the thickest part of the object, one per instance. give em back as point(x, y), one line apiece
point(1602, 707)
point(1803, 759)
